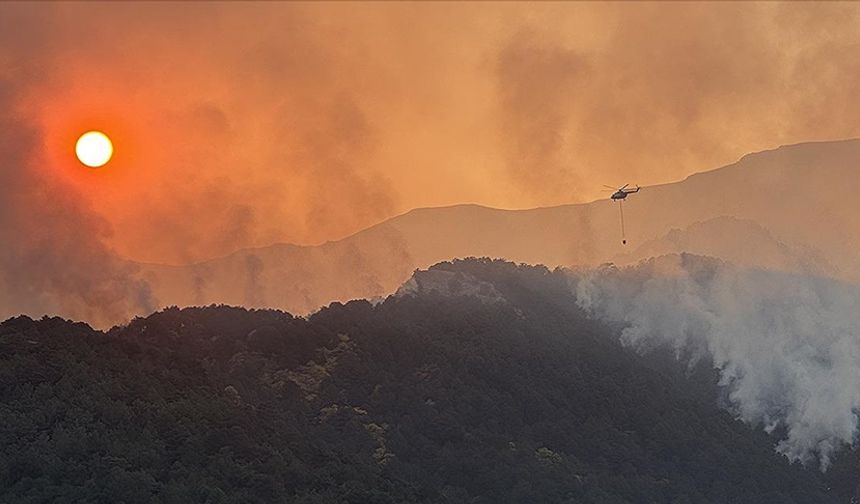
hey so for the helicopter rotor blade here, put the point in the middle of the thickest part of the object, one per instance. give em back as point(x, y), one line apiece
point(623, 187)
point(610, 187)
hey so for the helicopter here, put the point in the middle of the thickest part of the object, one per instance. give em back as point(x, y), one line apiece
point(620, 195)
point(622, 192)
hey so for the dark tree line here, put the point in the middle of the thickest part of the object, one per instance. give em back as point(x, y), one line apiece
point(434, 398)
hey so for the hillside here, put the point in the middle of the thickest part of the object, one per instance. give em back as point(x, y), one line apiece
point(774, 189)
point(480, 381)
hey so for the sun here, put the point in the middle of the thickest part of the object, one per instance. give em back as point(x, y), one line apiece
point(94, 149)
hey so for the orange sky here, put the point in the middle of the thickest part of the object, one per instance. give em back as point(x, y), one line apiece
point(240, 124)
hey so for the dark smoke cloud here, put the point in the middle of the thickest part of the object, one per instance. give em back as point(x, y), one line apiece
point(254, 294)
point(337, 153)
point(537, 81)
point(53, 258)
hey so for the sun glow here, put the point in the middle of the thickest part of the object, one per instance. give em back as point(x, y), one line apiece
point(94, 149)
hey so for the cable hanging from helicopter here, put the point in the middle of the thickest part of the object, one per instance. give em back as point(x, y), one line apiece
point(620, 195)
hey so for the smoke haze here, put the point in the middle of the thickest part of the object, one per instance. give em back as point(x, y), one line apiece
point(53, 257)
point(240, 125)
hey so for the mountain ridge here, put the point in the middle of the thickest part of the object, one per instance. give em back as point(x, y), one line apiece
point(763, 187)
point(481, 206)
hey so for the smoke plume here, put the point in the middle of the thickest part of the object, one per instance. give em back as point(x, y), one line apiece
point(787, 346)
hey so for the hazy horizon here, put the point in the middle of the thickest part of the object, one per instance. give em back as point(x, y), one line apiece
point(302, 123)
point(382, 220)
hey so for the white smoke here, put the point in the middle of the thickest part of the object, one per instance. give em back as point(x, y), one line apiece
point(787, 346)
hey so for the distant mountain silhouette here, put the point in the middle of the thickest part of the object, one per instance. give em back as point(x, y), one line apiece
point(802, 195)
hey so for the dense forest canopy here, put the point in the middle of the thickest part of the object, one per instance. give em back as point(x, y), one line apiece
point(480, 381)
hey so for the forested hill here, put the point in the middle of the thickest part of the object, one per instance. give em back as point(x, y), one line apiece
point(479, 382)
